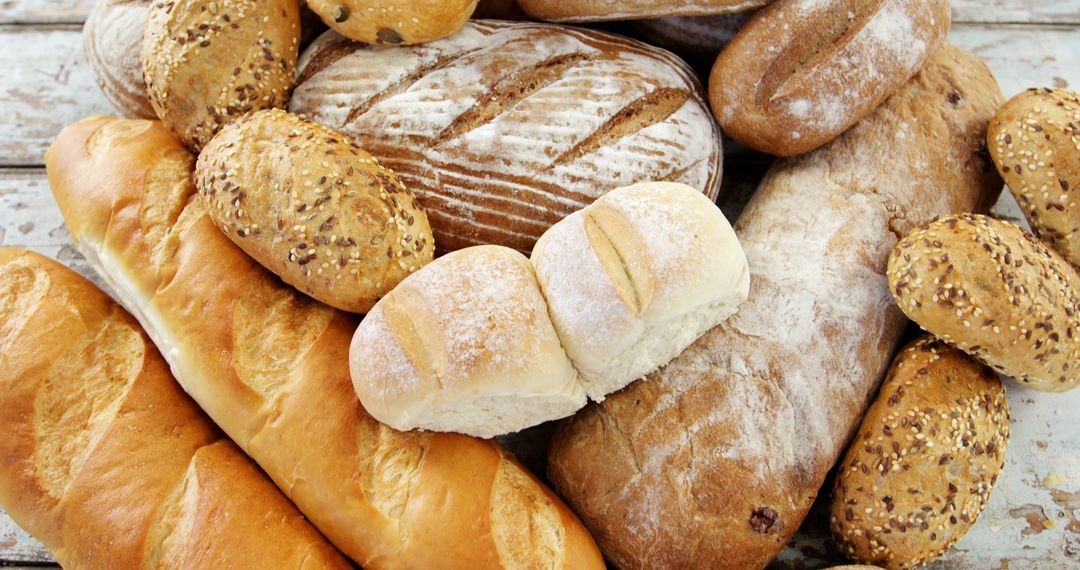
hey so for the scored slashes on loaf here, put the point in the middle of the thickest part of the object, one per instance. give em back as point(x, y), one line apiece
point(270, 366)
point(714, 461)
point(106, 461)
point(503, 129)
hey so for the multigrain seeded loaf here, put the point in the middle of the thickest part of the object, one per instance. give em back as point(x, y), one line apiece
point(317, 211)
point(714, 461)
point(602, 10)
point(926, 457)
point(995, 292)
point(270, 366)
point(106, 461)
point(112, 41)
point(398, 22)
point(1035, 142)
point(505, 128)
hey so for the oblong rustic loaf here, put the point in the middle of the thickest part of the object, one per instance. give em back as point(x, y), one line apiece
point(713, 461)
point(112, 41)
point(270, 366)
point(601, 10)
point(803, 71)
point(504, 128)
point(995, 292)
point(926, 457)
point(106, 460)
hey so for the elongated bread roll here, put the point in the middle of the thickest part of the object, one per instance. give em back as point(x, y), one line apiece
point(714, 461)
point(106, 460)
point(271, 367)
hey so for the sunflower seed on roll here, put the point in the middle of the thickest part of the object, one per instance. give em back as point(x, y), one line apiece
point(926, 457)
point(112, 40)
point(314, 209)
point(995, 292)
point(209, 61)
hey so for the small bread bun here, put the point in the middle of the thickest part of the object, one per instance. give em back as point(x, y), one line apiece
point(465, 345)
point(209, 61)
point(995, 292)
point(112, 40)
point(925, 459)
point(316, 210)
point(401, 22)
point(1035, 142)
point(636, 277)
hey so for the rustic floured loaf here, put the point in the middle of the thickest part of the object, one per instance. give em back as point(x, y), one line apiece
point(112, 41)
point(106, 461)
point(995, 292)
point(925, 459)
point(319, 212)
point(714, 461)
point(400, 22)
point(602, 10)
point(505, 128)
point(270, 366)
point(803, 71)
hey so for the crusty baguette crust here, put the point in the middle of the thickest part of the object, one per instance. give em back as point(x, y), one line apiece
point(271, 367)
point(503, 129)
point(714, 461)
point(604, 10)
point(106, 460)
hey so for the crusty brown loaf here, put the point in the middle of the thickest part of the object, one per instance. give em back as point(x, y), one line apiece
point(995, 292)
point(601, 10)
point(209, 61)
point(106, 460)
point(112, 41)
point(400, 22)
point(314, 209)
point(925, 459)
point(505, 128)
point(1035, 142)
point(714, 461)
point(803, 71)
point(271, 367)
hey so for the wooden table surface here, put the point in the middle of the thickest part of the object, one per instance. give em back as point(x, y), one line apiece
point(1033, 517)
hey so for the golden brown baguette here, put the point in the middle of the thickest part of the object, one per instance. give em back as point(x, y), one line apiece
point(271, 367)
point(713, 461)
point(106, 460)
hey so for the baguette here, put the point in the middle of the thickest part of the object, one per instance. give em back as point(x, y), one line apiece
point(713, 461)
point(106, 461)
point(271, 367)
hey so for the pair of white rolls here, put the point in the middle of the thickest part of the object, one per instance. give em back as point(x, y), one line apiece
point(485, 341)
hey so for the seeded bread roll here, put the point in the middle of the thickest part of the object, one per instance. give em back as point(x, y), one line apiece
point(636, 277)
point(603, 10)
point(925, 459)
point(319, 212)
point(209, 61)
point(112, 40)
point(271, 367)
point(1035, 143)
point(401, 22)
point(995, 292)
point(106, 461)
point(466, 345)
point(803, 71)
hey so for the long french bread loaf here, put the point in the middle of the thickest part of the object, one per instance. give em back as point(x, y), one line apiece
point(503, 129)
point(713, 461)
point(106, 460)
point(270, 366)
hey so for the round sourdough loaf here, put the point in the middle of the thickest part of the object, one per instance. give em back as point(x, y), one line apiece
point(1035, 142)
point(925, 459)
point(112, 40)
point(465, 345)
point(316, 210)
point(209, 61)
point(802, 72)
point(636, 277)
point(503, 129)
point(401, 22)
point(603, 10)
point(995, 292)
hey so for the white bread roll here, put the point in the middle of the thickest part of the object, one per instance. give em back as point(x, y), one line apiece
point(636, 277)
point(464, 345)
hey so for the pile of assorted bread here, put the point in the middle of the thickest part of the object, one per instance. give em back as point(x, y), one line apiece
point(526, 214)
